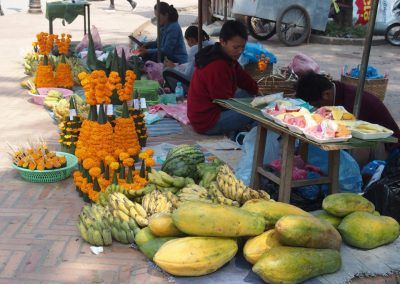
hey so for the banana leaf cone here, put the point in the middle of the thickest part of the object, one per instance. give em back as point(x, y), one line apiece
point(102, 117)
point(102, 168)
point(86, 198)
point(123, 67)
point(92, 113)
point(63, 58)
point(122, 172)
point(91, 56)
point(142, 173)
point(148, 169)
point(115, 178)
point(96, 186)
point(89, 179)
point(125, 110)
point(106, 172)
point(45, 60)
point(115, 67)
point(129, 178)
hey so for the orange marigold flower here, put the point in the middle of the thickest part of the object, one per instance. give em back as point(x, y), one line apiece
point(149, 162)
point(149, 152)
point(128, 162)
point(114, 166)
point(123, 156)
point(95, 172)
point(88, 163)
point(143, 156)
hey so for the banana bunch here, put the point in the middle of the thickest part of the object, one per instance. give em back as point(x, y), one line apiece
point(167, 183)
point(52, 98)
point(131, 194)
point(235, 189)
point(218, 197)
point(173, 199)
point(31, 61)
point(94, 225)
point(125, 209)
point(208, 172)
point(124, 231)
point(156, 202)
point(193, 192)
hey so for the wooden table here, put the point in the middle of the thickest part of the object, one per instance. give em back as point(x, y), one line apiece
point(288, 140)
point(68, 11)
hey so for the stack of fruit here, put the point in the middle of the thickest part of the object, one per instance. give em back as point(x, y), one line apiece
point(52, 98)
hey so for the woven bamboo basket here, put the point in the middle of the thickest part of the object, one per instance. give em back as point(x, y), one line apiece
point(376, 87)
point(274, 84)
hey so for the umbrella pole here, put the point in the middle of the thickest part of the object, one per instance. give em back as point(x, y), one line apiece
point(158, 33)
point(200, 27)
point(365, 58)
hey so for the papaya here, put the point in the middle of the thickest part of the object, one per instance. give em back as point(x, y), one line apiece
point(322, 214)
point(272, 211)
point(255, 247)
point(217, 220)
point(150, 248)
point(143, 236)
point(367, 231)
point(161, 225)
point(342, 204)
point(289, 265)
point(195, 256)
point(307, 231)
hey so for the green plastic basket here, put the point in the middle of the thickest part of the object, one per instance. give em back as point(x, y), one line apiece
point(48, 176)
point(148, 89)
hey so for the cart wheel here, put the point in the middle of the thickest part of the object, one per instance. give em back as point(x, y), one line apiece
point(261, 29)
point(392, 34)
point(293, 25)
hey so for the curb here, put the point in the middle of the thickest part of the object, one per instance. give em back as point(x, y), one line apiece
point(377, 40)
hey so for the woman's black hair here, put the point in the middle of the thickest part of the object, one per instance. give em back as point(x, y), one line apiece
point(310, 86)
point(231, 29)
point(169, 10)
point(193, 32)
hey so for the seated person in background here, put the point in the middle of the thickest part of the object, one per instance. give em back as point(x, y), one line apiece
point(218, 75)
point(191, 37)
point(172, 44)
point(319, 91)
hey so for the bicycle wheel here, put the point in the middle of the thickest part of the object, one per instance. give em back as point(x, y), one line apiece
point(293, 25)
point(392, 34)
point(261, 29)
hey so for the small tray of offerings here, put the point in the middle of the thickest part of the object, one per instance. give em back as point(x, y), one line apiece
point(334, 113)
point(297, 124)
point(291, 115)
point(51, 93)
point(38, 164)
point(328, 131)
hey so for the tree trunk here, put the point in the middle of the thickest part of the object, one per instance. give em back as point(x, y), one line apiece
point(345, 16)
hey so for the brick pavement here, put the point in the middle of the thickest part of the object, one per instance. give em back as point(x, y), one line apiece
point(39, 242)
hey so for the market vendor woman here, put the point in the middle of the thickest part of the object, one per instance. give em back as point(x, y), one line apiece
point(218, 75)
point(319, 91)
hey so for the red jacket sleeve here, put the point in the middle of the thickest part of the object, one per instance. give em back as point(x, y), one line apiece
point(245, 81)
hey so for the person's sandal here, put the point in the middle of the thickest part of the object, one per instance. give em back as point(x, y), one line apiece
point(133, 4)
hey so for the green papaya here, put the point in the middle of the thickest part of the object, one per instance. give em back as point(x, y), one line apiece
point(289, 265)
point(367, 231)
point(271, 210)
point(322, 214)
point(143, 236)
point(150, 248)
point(342, 204)
point(307, 231)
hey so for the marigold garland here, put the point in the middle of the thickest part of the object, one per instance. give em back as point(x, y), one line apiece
point(63, 77)
point(63, 43)
point(125, 135)
point(124, 91)
point(44, 43)
point(44, 76)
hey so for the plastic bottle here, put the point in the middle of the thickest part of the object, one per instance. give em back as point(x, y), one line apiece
point(179, 93)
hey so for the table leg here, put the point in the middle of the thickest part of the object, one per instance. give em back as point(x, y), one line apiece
point(50, 25)
point(303, 151)
point(258, 158)
point(334, 161)
point(285, 185)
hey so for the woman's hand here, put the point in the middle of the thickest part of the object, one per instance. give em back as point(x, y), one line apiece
point(142, 50)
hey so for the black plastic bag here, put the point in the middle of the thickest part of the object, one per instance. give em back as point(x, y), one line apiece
point(385, 195)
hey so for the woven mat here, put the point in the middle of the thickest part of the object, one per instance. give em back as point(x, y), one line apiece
point(380, 261)
point(166, 126)
point(224, 149)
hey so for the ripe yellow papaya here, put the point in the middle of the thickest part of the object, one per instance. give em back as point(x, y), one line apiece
point(150, 248)
point(217, 220)
point(272, 211)
point(333, 220)
point(143, 236)
point(294, 265)
point(342, 204)
point(161, 225)
point(367, 231)
point(195, 256)
point(308, 232)
point(255, 247)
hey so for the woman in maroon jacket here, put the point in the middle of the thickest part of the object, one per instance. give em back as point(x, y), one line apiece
point(218, 75)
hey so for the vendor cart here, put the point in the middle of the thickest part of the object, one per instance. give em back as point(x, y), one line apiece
point(291, 20)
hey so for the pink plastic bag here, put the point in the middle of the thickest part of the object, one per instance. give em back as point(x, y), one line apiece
point(85, 41)
point(153, 71)
point(302, 64)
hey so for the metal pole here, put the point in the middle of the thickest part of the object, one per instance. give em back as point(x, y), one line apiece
point(158, 33)
point(200, 27)
point(35, 7)
point(225, 10)
point(365, 57)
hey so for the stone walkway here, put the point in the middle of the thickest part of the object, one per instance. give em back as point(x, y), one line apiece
point(39, 242)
